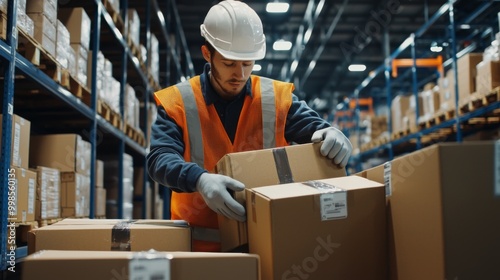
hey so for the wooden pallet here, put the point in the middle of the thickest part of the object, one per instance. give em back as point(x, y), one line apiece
point(3, 26)
point(477, 101)
point(398, 134)
point(443, 116)
point(115, 15)
point(109, 114)
point(134, 134)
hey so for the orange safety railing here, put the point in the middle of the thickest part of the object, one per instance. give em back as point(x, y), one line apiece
point(420, 62)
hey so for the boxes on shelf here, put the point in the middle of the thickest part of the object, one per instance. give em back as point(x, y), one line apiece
point(48, 190)
point(131, 107)
point(410, 117)
point(100, 202)
point(25, 23)
point(47, 8)
point(99, 173)
point(81, 63)
point(134, 26)
point(66, 152)
point(430, 103)
point(343, 217)
point(45, 32)
point(22, 184)
point(111, 183)
point(78, 23)
point(19, 141)
point(3, 6)
point(442, 209)
point(112, 235)
point(99, 72)
point(488, 76)
point(63, 44)
point(154, 59)
point(296, 163)
point(446, 86)
point(140, 265)
point(378, 125)
point(75, 195)
point(467, 73)
point(399, 106)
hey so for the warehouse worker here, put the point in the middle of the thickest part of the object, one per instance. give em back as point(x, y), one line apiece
point(225, 110)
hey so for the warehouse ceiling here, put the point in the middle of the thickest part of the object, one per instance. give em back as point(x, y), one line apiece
point(344, 32)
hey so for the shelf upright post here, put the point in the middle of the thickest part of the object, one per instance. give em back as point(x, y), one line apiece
point(415, 83)
point(96, 34)
point(7, 112)
point(454, 65)
point(387, 74)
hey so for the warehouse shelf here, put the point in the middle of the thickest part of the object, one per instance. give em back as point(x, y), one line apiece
point(451, 125)
point(54, 107)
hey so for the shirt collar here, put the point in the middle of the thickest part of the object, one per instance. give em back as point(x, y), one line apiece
point(209, 92)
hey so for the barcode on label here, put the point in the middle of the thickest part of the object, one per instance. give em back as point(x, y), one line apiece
point(387, 179)
point(149, 269)
point(333, 205)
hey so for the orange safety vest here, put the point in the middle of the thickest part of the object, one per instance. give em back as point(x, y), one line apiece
point(261, 125)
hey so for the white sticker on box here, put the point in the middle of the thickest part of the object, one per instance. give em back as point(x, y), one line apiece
point(497, 168)
point(387, 179)
point(16, 158)
point(333, 205)
point(149, 268)
point(31, 196)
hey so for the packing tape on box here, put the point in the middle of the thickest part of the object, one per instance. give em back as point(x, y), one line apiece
point(120, 233)
point(332, 201)
point(282, 166)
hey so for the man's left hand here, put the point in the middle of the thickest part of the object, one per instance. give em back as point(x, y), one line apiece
point(335, 145)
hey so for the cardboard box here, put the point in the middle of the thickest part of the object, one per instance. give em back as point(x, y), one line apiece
point(48, 190)
point(447, 91)
point(48, 8)
point(20, 141)
point(78, 23)
point(443, 210)
point(399, 106)
point(333, 230)
point(75, 195)
point(23, 188)
point(45, 32)
point(112, 235)
point(488, 76)
point(296, 163)
point(430, 103)
point(466, 66)
point(100, 202)
point(66, 152)
point(99, 173)
point(83, 265)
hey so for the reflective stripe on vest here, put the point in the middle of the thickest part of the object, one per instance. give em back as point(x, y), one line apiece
point(194, 126)
point(193, 123)
point(268, 113)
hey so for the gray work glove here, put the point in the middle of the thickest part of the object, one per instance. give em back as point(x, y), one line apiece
point(335, 145)
point(214, 190)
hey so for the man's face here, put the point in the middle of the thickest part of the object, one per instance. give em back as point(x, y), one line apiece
point(228, 77)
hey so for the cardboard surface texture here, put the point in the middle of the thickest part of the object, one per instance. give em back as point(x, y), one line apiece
point(296, 163)
point(24, 189)
point(20, 141)
point(443, 212)
point(83, 265)
point(305, 232)
point(111, 235)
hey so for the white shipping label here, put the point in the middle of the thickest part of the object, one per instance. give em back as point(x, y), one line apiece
point(149, 269)
point(31, 196)
point(497, 168)
point(16, 158)
point(387, 179)
point(333, 205)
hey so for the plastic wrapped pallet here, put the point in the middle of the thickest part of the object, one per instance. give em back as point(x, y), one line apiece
point(81, 58)
point(63, 44)
point(99, 72)
point(134, 26)
point(25, 23)
point(45, 32)
point(47, 193)
point(131, 107)
point(72, 62)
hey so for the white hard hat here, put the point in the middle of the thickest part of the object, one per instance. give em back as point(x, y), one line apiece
point(235, 31)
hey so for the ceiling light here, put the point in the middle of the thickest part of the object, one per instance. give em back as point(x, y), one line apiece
point(277, 7)
point(357, 67)
point(256, 67)
point(435, 47)
point(282, 45)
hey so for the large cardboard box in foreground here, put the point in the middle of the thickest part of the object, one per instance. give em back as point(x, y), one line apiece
point(296, 163)
point(83, 265)
point(331, 229)
point(443, 211)
point(112, 235)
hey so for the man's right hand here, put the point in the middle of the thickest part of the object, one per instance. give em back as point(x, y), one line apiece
point(214, 190)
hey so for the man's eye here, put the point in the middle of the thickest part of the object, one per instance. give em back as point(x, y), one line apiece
point(228, 64)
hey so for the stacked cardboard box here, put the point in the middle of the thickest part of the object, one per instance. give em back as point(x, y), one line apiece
point(411, 117)
point(446, 86)
point(24, 22)
point(140, 265)
point(443, 209)
point(296, 163)
point(343, 234)
point(488, 76)
point(44, 16)
point(399, 106)
point(378, 125)
point(63, 48)
point(430, 103)
point(77, 22)
point(100, 191)
point(467, 73)
point(111, 183)
point(48, 189)
point(75, 195)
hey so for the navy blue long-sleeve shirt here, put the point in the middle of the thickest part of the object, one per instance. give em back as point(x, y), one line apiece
point(166, 164)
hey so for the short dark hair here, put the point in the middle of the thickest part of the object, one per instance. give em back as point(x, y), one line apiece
point(211, 48)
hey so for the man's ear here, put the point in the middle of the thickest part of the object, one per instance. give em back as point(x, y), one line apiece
point(206, 53)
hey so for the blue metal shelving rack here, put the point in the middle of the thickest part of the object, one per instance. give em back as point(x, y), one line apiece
point(446, 9)
point(99, 16)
